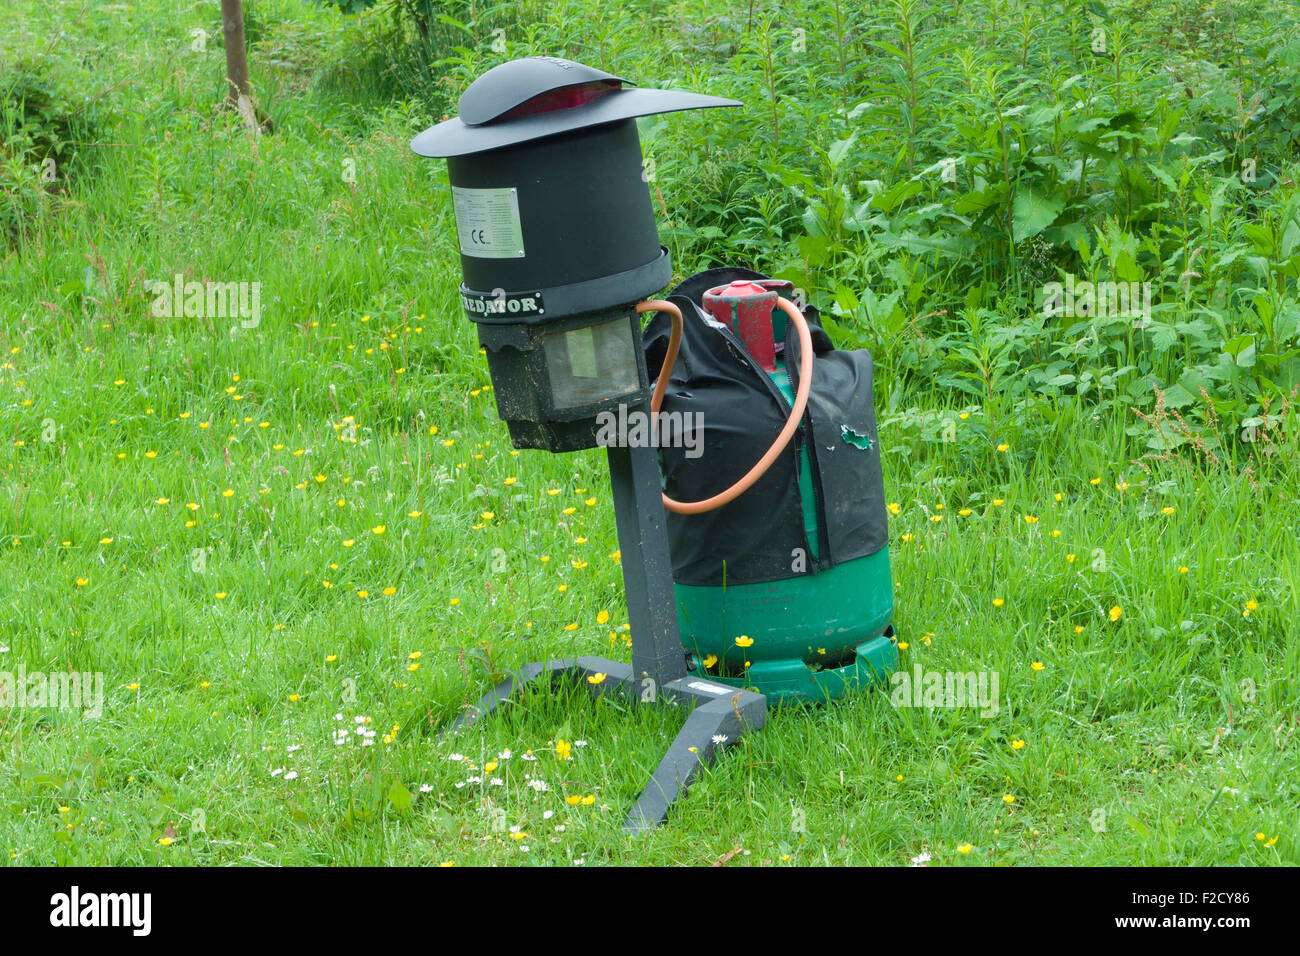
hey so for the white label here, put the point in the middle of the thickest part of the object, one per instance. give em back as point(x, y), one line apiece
point(582, 352)
point(487, 221)
point(708, 688)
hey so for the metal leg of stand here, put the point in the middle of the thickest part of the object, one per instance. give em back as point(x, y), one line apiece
point(720, 717)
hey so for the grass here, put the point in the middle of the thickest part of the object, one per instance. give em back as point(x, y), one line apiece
point(216, 519)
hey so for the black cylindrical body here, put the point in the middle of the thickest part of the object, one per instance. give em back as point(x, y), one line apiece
point(587, 229)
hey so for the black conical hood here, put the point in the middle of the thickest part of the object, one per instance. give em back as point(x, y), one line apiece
point(502, 89)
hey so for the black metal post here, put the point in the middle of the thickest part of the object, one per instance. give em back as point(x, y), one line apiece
point(657, 652)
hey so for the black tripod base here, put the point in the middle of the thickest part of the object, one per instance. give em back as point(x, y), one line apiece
point(719, 716)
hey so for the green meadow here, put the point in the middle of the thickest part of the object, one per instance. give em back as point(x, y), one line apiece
point(296, 544)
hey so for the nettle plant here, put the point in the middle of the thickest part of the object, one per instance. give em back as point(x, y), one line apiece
point(42, 125)
point(966, 164)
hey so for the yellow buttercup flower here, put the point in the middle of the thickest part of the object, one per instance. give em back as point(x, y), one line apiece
point(744, 641)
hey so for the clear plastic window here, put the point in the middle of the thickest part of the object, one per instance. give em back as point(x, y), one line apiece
point(592, 364)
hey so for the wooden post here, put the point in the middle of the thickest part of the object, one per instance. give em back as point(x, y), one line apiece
point(238, 94)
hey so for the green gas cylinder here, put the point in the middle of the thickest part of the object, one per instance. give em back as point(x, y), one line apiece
point(811, 636)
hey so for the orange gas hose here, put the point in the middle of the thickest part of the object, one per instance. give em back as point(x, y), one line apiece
point(791, 424)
